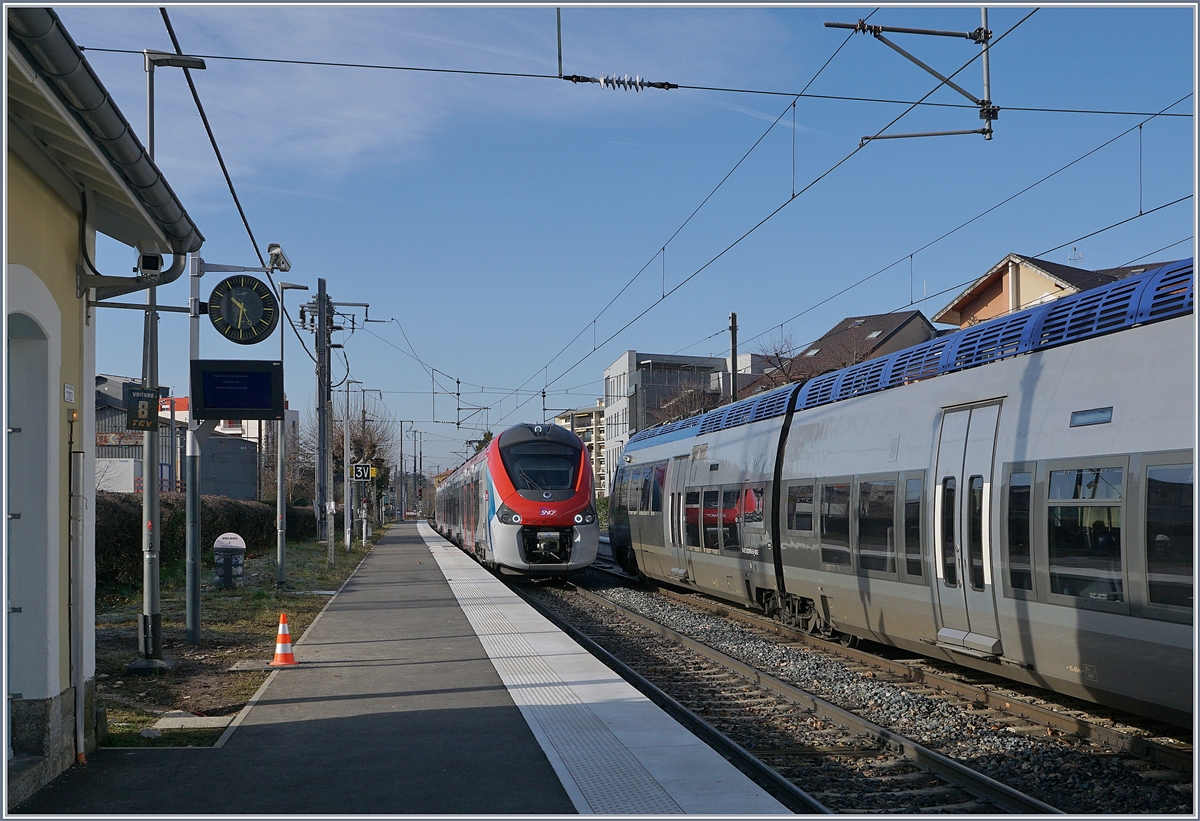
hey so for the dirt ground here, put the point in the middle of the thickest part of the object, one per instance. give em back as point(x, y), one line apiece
point(235, 625)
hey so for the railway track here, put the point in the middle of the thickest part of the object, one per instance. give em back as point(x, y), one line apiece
point(1148, 741)
point(837, 760)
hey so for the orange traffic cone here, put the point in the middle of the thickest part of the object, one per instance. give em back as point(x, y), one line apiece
point(283, 645)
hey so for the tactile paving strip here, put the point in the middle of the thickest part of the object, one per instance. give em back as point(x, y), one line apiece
point(611, 780)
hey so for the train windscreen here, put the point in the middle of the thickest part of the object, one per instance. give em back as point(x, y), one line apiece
point(541, 465)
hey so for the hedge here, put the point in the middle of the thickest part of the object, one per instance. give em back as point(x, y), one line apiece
point(119, 531)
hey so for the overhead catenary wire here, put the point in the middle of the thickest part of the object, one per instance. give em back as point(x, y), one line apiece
point(782, 206)
point(957, 228)
point(686, 87)
point(229, 180)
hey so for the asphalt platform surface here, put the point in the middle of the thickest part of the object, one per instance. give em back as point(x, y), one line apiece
point(394, 709)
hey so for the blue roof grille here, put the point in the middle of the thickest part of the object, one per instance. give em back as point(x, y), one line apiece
point(773, 403)
point(862, 378)
point(1160, 293)
point(990, 341)
point(818, 390)
point(1171, 294)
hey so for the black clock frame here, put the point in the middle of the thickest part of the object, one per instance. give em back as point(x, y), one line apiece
point(267, 308)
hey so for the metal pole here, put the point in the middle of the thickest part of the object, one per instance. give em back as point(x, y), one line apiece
point(733, 357)
point(192, 468)
point(558, 14)
point(347, 483)
point(322, 488)
point(281, 482)
point(150, 622)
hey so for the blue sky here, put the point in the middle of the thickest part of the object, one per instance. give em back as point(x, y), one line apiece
point(494, 217)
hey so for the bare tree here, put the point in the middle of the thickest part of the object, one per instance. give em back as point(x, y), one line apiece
point(782, 366)
point(374, 441)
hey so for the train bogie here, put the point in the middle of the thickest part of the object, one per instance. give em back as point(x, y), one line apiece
point(1031, 517)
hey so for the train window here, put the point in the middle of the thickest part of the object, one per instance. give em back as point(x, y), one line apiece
point(730, 521)
point(656, 487)
point(692, 515)
point(1084, 537)
point(1020, 566)
point(835, 524)
point(877, 525)
point(541, 465)
point(800, 508)
point(975, 531)
point(621, 490)
point(949, 561)
point(1169, 545)
point(912, 527)
point(712, 515)
point(752, 505)
point(643, 487)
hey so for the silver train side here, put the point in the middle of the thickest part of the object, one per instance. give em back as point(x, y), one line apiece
point(1015, 497)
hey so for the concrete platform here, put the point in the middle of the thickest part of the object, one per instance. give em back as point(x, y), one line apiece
point(425, 688)
point(614, 750)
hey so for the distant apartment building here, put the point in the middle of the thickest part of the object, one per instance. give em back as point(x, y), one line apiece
point(588, 425)
point(646, 389)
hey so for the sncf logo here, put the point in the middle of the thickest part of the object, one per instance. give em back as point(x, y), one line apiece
point(548, 511)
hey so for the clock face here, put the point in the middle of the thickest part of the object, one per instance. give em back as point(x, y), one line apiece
point(243, 309)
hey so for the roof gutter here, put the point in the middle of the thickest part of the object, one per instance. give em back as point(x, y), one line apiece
point(41, 37)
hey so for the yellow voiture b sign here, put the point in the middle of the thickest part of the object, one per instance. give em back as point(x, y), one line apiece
point(243, 309)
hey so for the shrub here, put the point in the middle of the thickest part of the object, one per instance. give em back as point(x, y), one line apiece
point(119, 531)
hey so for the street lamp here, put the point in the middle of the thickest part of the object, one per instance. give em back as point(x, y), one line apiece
point(281, 439)
point(150, 622)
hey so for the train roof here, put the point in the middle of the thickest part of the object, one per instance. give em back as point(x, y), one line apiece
point(1161, 293)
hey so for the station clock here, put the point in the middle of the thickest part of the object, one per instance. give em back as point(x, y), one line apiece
point(243, 309)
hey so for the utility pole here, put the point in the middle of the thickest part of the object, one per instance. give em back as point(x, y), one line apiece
point(323, 391)
point(733, 359)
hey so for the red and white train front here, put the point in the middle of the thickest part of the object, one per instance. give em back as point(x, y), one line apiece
point(526, 502)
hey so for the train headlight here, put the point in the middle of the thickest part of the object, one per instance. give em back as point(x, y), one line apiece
point(578, 518)
point(587, 517)
point(508, 516)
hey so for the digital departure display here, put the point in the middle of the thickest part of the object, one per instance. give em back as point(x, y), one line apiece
point(237, 389)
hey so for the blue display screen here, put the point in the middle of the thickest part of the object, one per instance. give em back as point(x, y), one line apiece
point(237, 390)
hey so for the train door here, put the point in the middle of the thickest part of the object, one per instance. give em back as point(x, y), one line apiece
point(675, 523)
point(961, 513)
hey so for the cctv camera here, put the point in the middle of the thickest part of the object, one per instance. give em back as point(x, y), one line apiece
point(279, 260)
point(149, 265)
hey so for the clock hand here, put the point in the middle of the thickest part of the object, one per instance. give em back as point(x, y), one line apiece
point(241, 313)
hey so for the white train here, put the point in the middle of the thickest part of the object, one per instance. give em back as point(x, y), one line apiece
point(1015, 497)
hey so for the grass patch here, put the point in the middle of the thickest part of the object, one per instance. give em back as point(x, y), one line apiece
point(235, 625)
point(125, 725)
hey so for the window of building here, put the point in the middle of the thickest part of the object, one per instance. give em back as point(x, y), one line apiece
point(835, 524)
point(876, 525)
point(912, 528)
point(800, 508)
point(812, 352)
point(1020, 563)
point(1084, 533)
point(874, 334)
point(1169, 544)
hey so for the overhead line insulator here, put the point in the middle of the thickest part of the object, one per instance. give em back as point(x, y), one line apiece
point(615, 81)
